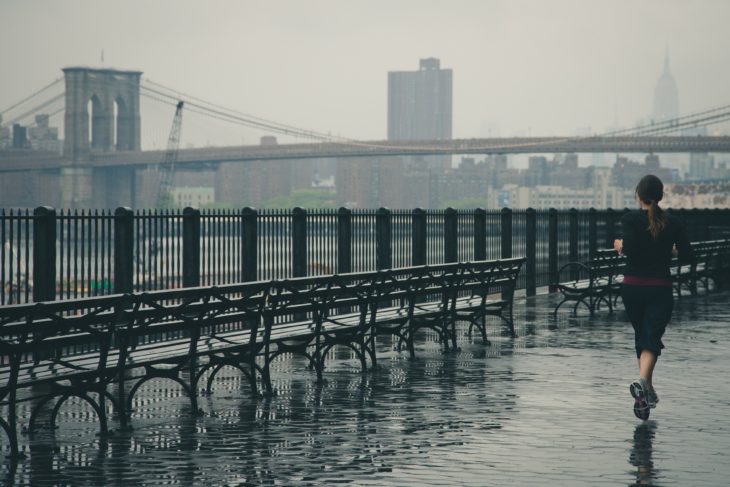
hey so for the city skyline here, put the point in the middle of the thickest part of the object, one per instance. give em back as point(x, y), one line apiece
point(504, 80)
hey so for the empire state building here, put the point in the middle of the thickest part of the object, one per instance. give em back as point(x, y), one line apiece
point(666, 100)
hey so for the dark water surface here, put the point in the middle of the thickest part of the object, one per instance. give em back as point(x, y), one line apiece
point(548, 408)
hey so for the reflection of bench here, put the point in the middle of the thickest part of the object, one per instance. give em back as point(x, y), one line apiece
point(78, 348)
point(590, 283)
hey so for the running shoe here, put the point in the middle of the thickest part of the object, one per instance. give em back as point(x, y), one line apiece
point(639, 393)
point(651, 398)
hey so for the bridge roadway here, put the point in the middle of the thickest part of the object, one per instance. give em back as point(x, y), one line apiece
point(19, 161)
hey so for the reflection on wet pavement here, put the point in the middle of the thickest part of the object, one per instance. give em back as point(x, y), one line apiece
point(641, 452)
point(550, 407)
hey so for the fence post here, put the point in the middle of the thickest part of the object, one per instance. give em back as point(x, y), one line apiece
point(687, 216)
point(573, 240)
point(382, 239)
point(344, 241)
point(44, 254)
point(530, 245)
point(506, 219)
point(610, 228)
point(299, 242)
point(451, 229)
point(697, 218)
point(191, 247)
point(688, 224)
point(480, 234)
point(123, 250)
point(506, 222)
point(592, 232)
point(620, 230)
point(718, 221)
point(553, 248)
point(249, 245)
point(418, 237)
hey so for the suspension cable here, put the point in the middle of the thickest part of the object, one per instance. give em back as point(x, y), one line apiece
point(232, 118)
point(654, 128)
point(35, 109)
point(31, 96)
point(247, 116)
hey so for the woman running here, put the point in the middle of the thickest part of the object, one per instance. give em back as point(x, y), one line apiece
point(650, 238)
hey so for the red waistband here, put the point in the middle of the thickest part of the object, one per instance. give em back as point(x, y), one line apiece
point(646, 281)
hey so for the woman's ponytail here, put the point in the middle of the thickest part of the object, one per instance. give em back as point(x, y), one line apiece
point(650, 190)
point(657, 219)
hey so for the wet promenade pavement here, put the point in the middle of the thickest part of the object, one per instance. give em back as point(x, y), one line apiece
point(548, 408)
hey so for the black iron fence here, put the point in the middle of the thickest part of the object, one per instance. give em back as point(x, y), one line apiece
point(48, 255)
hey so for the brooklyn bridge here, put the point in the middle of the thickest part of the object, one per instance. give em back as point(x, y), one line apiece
point(102, 158)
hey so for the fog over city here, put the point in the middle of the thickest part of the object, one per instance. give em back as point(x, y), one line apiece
point(558, 67)
point(364, 242)
point(459, 93)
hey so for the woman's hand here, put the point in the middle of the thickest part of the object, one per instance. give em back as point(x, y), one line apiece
point(618, 245)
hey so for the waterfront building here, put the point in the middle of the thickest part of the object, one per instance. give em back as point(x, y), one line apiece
point(558, 197)
point(701, 166)
point(4, 135)
point(626, 173)
point(195, 197)
point(42, 136)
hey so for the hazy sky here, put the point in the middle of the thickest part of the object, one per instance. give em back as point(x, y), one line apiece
point(539, 67)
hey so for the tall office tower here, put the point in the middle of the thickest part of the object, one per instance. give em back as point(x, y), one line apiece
point(419, 106)
point(666, 100)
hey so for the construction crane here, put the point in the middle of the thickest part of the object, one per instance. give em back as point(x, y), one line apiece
point(166, 168)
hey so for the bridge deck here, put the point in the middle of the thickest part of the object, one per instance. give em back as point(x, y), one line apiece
point(509, 145)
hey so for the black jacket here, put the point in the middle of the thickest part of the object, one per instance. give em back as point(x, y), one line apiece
point(647, 256)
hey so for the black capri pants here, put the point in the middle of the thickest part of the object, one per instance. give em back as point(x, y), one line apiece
point(649, 309)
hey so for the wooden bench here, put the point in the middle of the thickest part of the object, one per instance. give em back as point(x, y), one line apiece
point(79, 348)
point(599, 280)
point(65, 345)
point(589, 283)
point(435, 297)
point(310, 315)
point(710, 264)
point(487, 291)
point(411, 299)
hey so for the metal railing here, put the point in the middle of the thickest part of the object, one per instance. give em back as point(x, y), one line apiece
point(49, 255)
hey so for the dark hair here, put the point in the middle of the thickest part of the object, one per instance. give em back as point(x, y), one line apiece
point(650, 190)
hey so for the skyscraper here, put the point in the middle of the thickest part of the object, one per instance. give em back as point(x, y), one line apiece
point(419, 102)
point(419, 108)
point(666, 100)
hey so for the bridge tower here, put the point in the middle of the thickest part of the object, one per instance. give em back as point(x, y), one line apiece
point(102, 111)
point(102, 115)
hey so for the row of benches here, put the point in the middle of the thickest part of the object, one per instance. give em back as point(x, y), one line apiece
point(81, 347)
point(599, 280)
